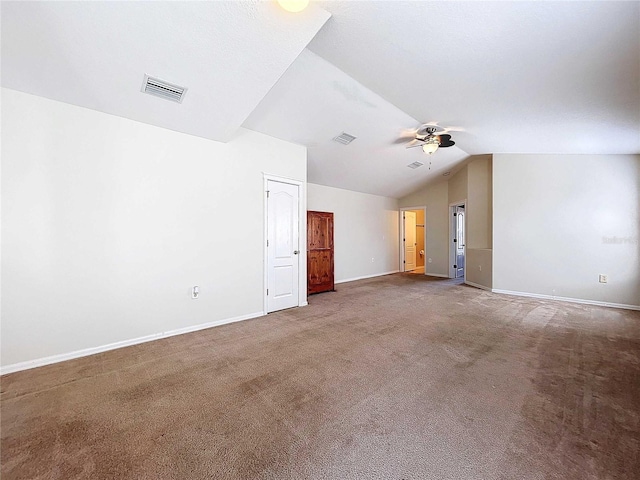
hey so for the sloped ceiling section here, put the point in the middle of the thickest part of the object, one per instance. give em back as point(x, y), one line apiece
point(314, 102)
point(95, 54)
point(519, 76)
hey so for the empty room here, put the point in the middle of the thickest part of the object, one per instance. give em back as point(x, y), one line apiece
point(298, 239)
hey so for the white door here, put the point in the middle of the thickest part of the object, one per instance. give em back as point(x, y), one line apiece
point(409, 241)
point(282, 245)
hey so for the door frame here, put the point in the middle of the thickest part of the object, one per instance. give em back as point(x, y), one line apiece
point(302, 238)
point(452, 245)
point(402, 237)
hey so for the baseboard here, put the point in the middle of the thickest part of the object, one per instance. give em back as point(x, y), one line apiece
point(477, 285)
point(568, 299)
point(365, 276)
point(40, 362)
point(441, 275)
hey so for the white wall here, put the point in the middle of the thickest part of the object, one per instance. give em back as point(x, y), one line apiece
point(561, 220)
point(107, 223)
point(365, 228)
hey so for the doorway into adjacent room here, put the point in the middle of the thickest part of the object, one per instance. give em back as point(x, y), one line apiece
point(457, 246)
point(412, 241)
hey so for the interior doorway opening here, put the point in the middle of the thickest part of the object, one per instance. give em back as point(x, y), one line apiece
point(412, 240)
point(457, 248)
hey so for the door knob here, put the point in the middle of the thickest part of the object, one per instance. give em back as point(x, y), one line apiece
point(295, 252)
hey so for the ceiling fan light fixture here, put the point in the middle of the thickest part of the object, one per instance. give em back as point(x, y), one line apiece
point(431, 145)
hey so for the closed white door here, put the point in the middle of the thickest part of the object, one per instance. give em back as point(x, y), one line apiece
point(283, 249)
point(409, 241)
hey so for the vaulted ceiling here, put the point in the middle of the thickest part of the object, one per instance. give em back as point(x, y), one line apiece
point(518, 77)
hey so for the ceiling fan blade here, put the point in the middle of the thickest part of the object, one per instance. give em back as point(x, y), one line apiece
point(444, 138)
point(415, 143)
point(445, 128)
point(405, 135)
point(448, 143)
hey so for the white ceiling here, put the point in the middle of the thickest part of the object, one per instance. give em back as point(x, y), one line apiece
point(95, 55)
point(520, 77)
point(315, 101)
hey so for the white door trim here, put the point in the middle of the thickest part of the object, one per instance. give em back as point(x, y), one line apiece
point(452, 250)
point(302, 238)
point(401, 230)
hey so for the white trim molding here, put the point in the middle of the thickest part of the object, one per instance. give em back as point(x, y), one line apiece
point(477, 285)
point(40, 362)
point(366, 276)
point(441, 275)
point(568, 299)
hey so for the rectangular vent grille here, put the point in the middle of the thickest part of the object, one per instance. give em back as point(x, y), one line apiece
point(415, 165)
point(160, 88)
point(344, 138)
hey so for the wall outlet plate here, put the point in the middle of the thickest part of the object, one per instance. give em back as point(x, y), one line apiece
point(603, 278)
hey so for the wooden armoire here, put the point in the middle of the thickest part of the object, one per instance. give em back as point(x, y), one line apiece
point(319, 252)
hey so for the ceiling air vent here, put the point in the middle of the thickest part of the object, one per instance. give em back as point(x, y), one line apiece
point(160, 88)
point(344, 138)
point(415, 165)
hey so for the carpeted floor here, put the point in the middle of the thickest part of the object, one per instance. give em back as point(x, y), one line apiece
point(396, 377)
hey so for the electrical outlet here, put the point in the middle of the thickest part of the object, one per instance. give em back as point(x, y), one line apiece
point(429, 260)
point(603, 278)
point(479, 268)
point(195, 291)
point(373, 260)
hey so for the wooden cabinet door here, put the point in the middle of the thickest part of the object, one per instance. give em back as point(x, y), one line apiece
point(319, 252)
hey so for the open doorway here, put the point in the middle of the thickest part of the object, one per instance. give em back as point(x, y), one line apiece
point(457, 247)
point(412, 241)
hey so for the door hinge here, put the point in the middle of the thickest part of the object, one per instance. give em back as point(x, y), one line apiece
point(455, 240)
point(267, 291)
point(404, 261)
point(453, 214)
point(455, 266)
point(267, 193)
point(267, 243)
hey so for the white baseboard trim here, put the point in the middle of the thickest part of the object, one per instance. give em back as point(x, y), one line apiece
point(365, 276)
point(568, 299)
point(441, 275)
point(40, 362)
point(477, 285)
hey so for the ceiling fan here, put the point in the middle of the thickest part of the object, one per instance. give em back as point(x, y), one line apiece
point(431, 137)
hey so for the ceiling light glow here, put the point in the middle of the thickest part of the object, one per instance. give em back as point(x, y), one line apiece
point(294, 5)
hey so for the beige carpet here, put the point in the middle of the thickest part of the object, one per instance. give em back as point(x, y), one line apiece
point(396, 377)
